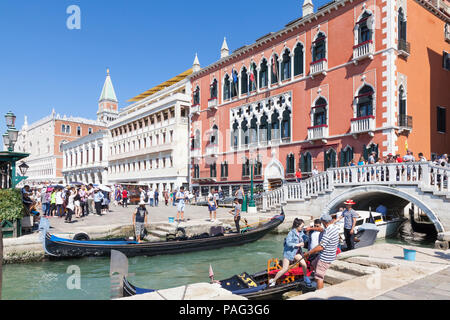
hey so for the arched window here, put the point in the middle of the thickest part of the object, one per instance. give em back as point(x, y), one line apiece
point(234, 83)
point(245, 139)
point(213, 89)
point(197, 96)
point(298, 59)
point(346, 156)
point(364, 33)
point(212, 170)
point(365, 102)
point(275, 125)
point(257, 168)
point(253, 77)
point(402, 106)
point(320, 112)
point(275, 69)
point(224, 169)
point(235, 135)
point(244, 81)
point(286, 125)
point(319, 48)
point(264, 133)
point(197, 139)
point(290, 163)
point(226, 88)
point(263, 75)
point(401, 25)
point(253, 130)
point(286, 65)
point(330, 159)
point(246, 168)
point(214, 138)
point(306, 162)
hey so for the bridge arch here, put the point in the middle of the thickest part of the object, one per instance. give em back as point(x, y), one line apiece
point(363, 192)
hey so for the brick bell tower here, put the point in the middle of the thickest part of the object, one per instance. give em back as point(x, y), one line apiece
point(108, 106)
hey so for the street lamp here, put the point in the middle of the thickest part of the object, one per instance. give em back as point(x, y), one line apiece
point(252, 204)
point(10, 119)
point(23, 168)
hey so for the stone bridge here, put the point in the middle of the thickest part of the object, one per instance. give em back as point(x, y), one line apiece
point(395, 185)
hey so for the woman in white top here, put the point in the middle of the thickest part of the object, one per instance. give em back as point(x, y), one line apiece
point(70, 204)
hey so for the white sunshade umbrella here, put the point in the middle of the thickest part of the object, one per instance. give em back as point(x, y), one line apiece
point(104, 188)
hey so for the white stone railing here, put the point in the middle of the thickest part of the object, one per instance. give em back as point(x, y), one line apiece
point(195, 109)
point(212, 103)
point(318, 132)
point(362, 124)
point(427, 176)
point(318, 66)
point(363, 50)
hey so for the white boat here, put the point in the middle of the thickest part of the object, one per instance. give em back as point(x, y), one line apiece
point(387, 226)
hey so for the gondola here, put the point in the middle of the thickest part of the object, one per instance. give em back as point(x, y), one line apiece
point(252, 287)
point(60, 247)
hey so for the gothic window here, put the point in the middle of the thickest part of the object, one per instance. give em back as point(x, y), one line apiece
point(364, 33)
point(401, 25)
point(196, 171)
point(330, 159)
point(286, 66)
point(275, 126)
point(245, 139)
point(253, 130)
point(306, 162)
point(275, 69)
point(263, 74)
point(290, 164)
point(346, 156)
point(196, 143)
point(214, 138)
point(196, 96)
point(244, 81)
point(320, 112)
point(235, 135)
point(213, 89)
point(402, 105)
point(246, 168)
point(286, 125)
point(212, 170)
point(298, 59)
point(253, 76)
point(264, 132)
point(234, 84)
point(224, 170)
point(318, 48)
point(226, 88)
point(365, 102)
point(257, 168)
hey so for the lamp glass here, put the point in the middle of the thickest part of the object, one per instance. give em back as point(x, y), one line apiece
point(10, 119)
point(6, 139)
point(23, 168)
point(13, 135)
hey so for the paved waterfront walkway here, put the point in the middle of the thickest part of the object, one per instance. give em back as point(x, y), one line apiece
point(432, 287)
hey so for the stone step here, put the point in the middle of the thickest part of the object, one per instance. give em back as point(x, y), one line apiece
point(352, 268)
point(335, 277)
point(158, 233)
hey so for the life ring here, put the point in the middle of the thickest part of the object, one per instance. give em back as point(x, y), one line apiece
point(82, 236)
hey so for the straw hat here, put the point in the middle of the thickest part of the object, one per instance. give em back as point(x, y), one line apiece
point(350, 202)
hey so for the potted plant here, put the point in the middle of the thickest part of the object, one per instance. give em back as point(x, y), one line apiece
point(11, 212)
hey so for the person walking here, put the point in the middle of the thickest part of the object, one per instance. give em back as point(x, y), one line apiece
point(212, 205)
point(292, 252)
point(180, 199)
point(166, 197)
point(326, 249)
point(125, 198)
point(53, 203)
point(98, 200)
point(349, 215)
point(298, 175)
point(156, 197)
point(151, 196)
point(90, 198)
point(83, 201)
point(70, 207)
point(45, 201)
point(77, 204)
point(140, 220)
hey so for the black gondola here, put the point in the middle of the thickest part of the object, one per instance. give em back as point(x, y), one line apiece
point(60, 247)
point(252, 287)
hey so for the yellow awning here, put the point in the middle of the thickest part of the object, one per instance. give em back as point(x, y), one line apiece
point(161, 86)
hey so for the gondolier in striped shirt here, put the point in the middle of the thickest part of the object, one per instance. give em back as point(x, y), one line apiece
point(327, 249)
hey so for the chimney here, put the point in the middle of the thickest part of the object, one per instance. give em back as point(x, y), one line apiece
point(308, 8)
point(224, 51)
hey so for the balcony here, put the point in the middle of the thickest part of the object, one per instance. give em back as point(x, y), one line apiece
point(363, 125)
point(404, 48)
point(363, 50)
point(195, 109)
point(212, 103)
point(318, 67)
point(405, 123)
point(319, 132)
point(212, 150)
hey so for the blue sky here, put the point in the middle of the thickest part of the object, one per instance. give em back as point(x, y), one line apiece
point(44, 65)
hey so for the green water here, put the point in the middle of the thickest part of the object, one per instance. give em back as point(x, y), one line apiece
point(48, 280)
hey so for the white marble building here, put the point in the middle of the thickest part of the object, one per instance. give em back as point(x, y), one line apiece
point(149, 140)
point(86, 159)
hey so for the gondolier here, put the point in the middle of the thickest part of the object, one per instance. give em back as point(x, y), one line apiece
point(140, 220)
point(349, 215)
point(180, 198)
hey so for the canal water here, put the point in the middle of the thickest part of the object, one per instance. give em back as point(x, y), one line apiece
point(53, 280)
